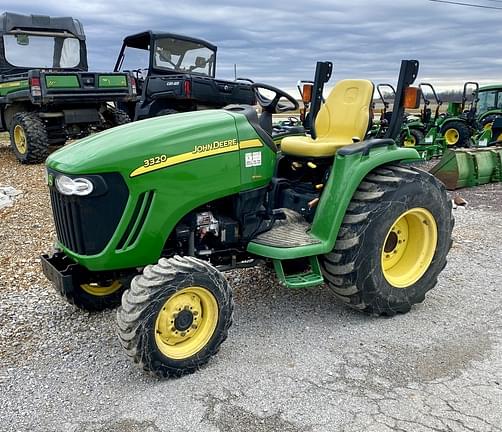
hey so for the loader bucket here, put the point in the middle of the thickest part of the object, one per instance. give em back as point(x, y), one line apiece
point(469, 167)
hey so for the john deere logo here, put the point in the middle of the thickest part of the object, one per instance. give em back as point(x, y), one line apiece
point(215, 145)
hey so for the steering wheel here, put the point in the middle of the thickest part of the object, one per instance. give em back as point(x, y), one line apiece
point(273, 106)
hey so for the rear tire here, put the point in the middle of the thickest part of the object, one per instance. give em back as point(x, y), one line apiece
point(28, 138)
point(175, 316)
point(357, 271)
point(116, 117)
point(456, 134)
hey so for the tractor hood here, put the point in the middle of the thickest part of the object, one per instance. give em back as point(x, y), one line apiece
point(149, 145)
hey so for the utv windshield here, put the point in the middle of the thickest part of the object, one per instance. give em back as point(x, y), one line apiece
point(183, 56)
point(489, 100)
point(41, 51)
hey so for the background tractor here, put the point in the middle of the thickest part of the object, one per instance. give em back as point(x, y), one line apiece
point(176, 73)
point(172, 202)
point(379, 126)
point(460, 124)
point(489, 104)
point(47, 94)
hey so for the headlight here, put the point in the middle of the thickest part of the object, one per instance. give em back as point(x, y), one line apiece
point(78, 186)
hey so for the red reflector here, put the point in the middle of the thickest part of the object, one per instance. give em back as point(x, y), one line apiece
point(187, 86)
point(35, 82)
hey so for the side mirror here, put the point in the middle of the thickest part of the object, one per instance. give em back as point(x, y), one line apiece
point(411, 97)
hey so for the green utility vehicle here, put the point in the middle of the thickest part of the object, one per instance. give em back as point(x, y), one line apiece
point(176, 73)
point(171, 202)
point(47, 94)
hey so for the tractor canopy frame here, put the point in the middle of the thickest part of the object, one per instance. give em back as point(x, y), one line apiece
point(23, 28)
point(175, 45)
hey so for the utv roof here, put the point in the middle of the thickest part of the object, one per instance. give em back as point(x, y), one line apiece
point(11, 21)
point(142, 40)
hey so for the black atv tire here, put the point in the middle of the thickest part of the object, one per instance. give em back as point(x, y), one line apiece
point(459, 130)
point(144, 319)
point(95, 297)
point(416, 137)
point(354, 270)
point(28, 138)
point(115, 117)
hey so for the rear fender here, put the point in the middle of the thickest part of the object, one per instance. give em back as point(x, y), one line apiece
point(347, 174)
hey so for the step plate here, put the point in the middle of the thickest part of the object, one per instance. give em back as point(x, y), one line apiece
point(287, 235)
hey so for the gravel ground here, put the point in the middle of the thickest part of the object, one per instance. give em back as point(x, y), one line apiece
point(294, 361)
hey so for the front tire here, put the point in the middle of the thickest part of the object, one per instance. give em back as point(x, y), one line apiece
point(175, 316)
point(415, 138)
point(28, 137)
point(96, 296)
point(393, 241)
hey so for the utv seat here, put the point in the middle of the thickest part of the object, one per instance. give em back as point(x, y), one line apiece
point(344, 116)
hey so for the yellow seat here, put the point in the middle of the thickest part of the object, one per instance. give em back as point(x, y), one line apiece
point(344, 115)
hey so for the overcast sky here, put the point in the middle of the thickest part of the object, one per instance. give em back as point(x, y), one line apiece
point(278, 42)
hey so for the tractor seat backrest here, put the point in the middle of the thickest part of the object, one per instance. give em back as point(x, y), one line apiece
point(346, 112)
point(344, 116)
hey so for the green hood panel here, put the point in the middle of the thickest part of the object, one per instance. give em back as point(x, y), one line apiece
point(125, 148)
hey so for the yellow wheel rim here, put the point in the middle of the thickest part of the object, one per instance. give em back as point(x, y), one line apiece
point(451, 136)
point(186, 322)
point(20, 139)
point(409, 247)
point(98, 290)
point(410, 142)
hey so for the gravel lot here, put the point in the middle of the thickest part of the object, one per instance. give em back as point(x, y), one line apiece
point(294, 361)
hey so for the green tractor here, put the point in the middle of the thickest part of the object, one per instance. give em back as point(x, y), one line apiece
point(460, 124)
point(380, 125)
point(47, 94)
point(416, 128)
point(171, 202)
point(489, 104)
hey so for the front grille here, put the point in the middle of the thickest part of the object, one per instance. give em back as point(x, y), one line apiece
point(85, 224)
point(67, 220)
